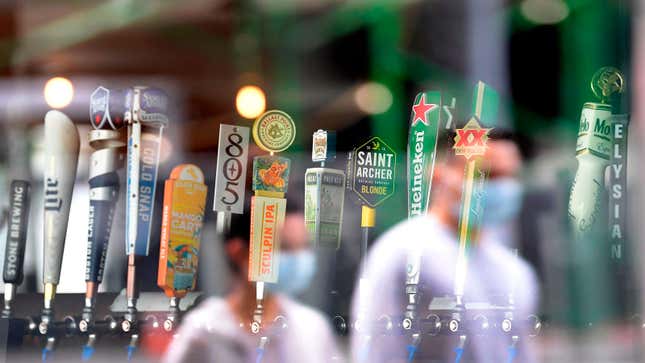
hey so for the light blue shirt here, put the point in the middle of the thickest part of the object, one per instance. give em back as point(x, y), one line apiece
point(494, 272)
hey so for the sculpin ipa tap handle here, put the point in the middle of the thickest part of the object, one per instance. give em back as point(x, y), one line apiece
point(274, 131)
point(181, 229)
point(61, 158)
point(106, 116)
point(14, 256)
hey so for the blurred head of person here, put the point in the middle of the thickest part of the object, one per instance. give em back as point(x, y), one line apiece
point(297, 261)
point(503, 190)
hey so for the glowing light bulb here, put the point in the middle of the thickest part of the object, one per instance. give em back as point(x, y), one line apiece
point(58, 92)
point(544, 11)
point(250, 102)
point(373, 98)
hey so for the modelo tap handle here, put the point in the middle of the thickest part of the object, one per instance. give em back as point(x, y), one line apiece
point(12, 272)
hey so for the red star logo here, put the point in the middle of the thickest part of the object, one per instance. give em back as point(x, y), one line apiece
point(421, 110)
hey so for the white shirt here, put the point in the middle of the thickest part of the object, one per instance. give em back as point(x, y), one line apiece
point(493, 272)
point(211, 333)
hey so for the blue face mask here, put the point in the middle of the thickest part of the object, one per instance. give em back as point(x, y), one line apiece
point(503, 201)
point(295, 273)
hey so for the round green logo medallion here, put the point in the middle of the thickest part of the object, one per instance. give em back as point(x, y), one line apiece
point(274, 131)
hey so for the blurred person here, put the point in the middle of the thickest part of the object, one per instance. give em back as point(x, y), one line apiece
point(218, 329)
point(494, 270)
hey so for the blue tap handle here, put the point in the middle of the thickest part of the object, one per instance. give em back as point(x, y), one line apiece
point(260, 355)
point(458, 353)
point(412, 349)
point(87, 354)
point(512, 353)
point(46, 353)
point(131, 351)
point(363, 352)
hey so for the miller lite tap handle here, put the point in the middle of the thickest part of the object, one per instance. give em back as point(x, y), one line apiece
point(61, 158)
point(14, 255)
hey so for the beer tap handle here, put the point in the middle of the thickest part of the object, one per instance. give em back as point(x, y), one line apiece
point(132, 347)
point(364, 350)
point(412, 347)
point(264, 341)
point(48, 350)
point(14, 256)
point(512, 349)
point(183, 205)
point(62, 144)
point(256, 325)
point(88, 348)
point(173, 314)
point(459, 351)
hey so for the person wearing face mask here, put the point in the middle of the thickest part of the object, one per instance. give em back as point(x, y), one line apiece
point(495, 272)
point(217, 330)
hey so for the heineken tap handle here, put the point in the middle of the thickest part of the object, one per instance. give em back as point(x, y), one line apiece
point(422, 145)
point(61, 158)
point(12, 272)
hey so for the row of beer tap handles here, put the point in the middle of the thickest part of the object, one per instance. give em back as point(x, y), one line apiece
point(426, 119)
point(427, 116)
point(144, 111)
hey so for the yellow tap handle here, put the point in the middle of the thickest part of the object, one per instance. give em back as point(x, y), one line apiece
point(368, 216)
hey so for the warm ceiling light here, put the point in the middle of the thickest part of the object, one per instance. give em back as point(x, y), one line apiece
point(250, 102)
point(544, 11)
point(58, 92)
point(373, 98)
